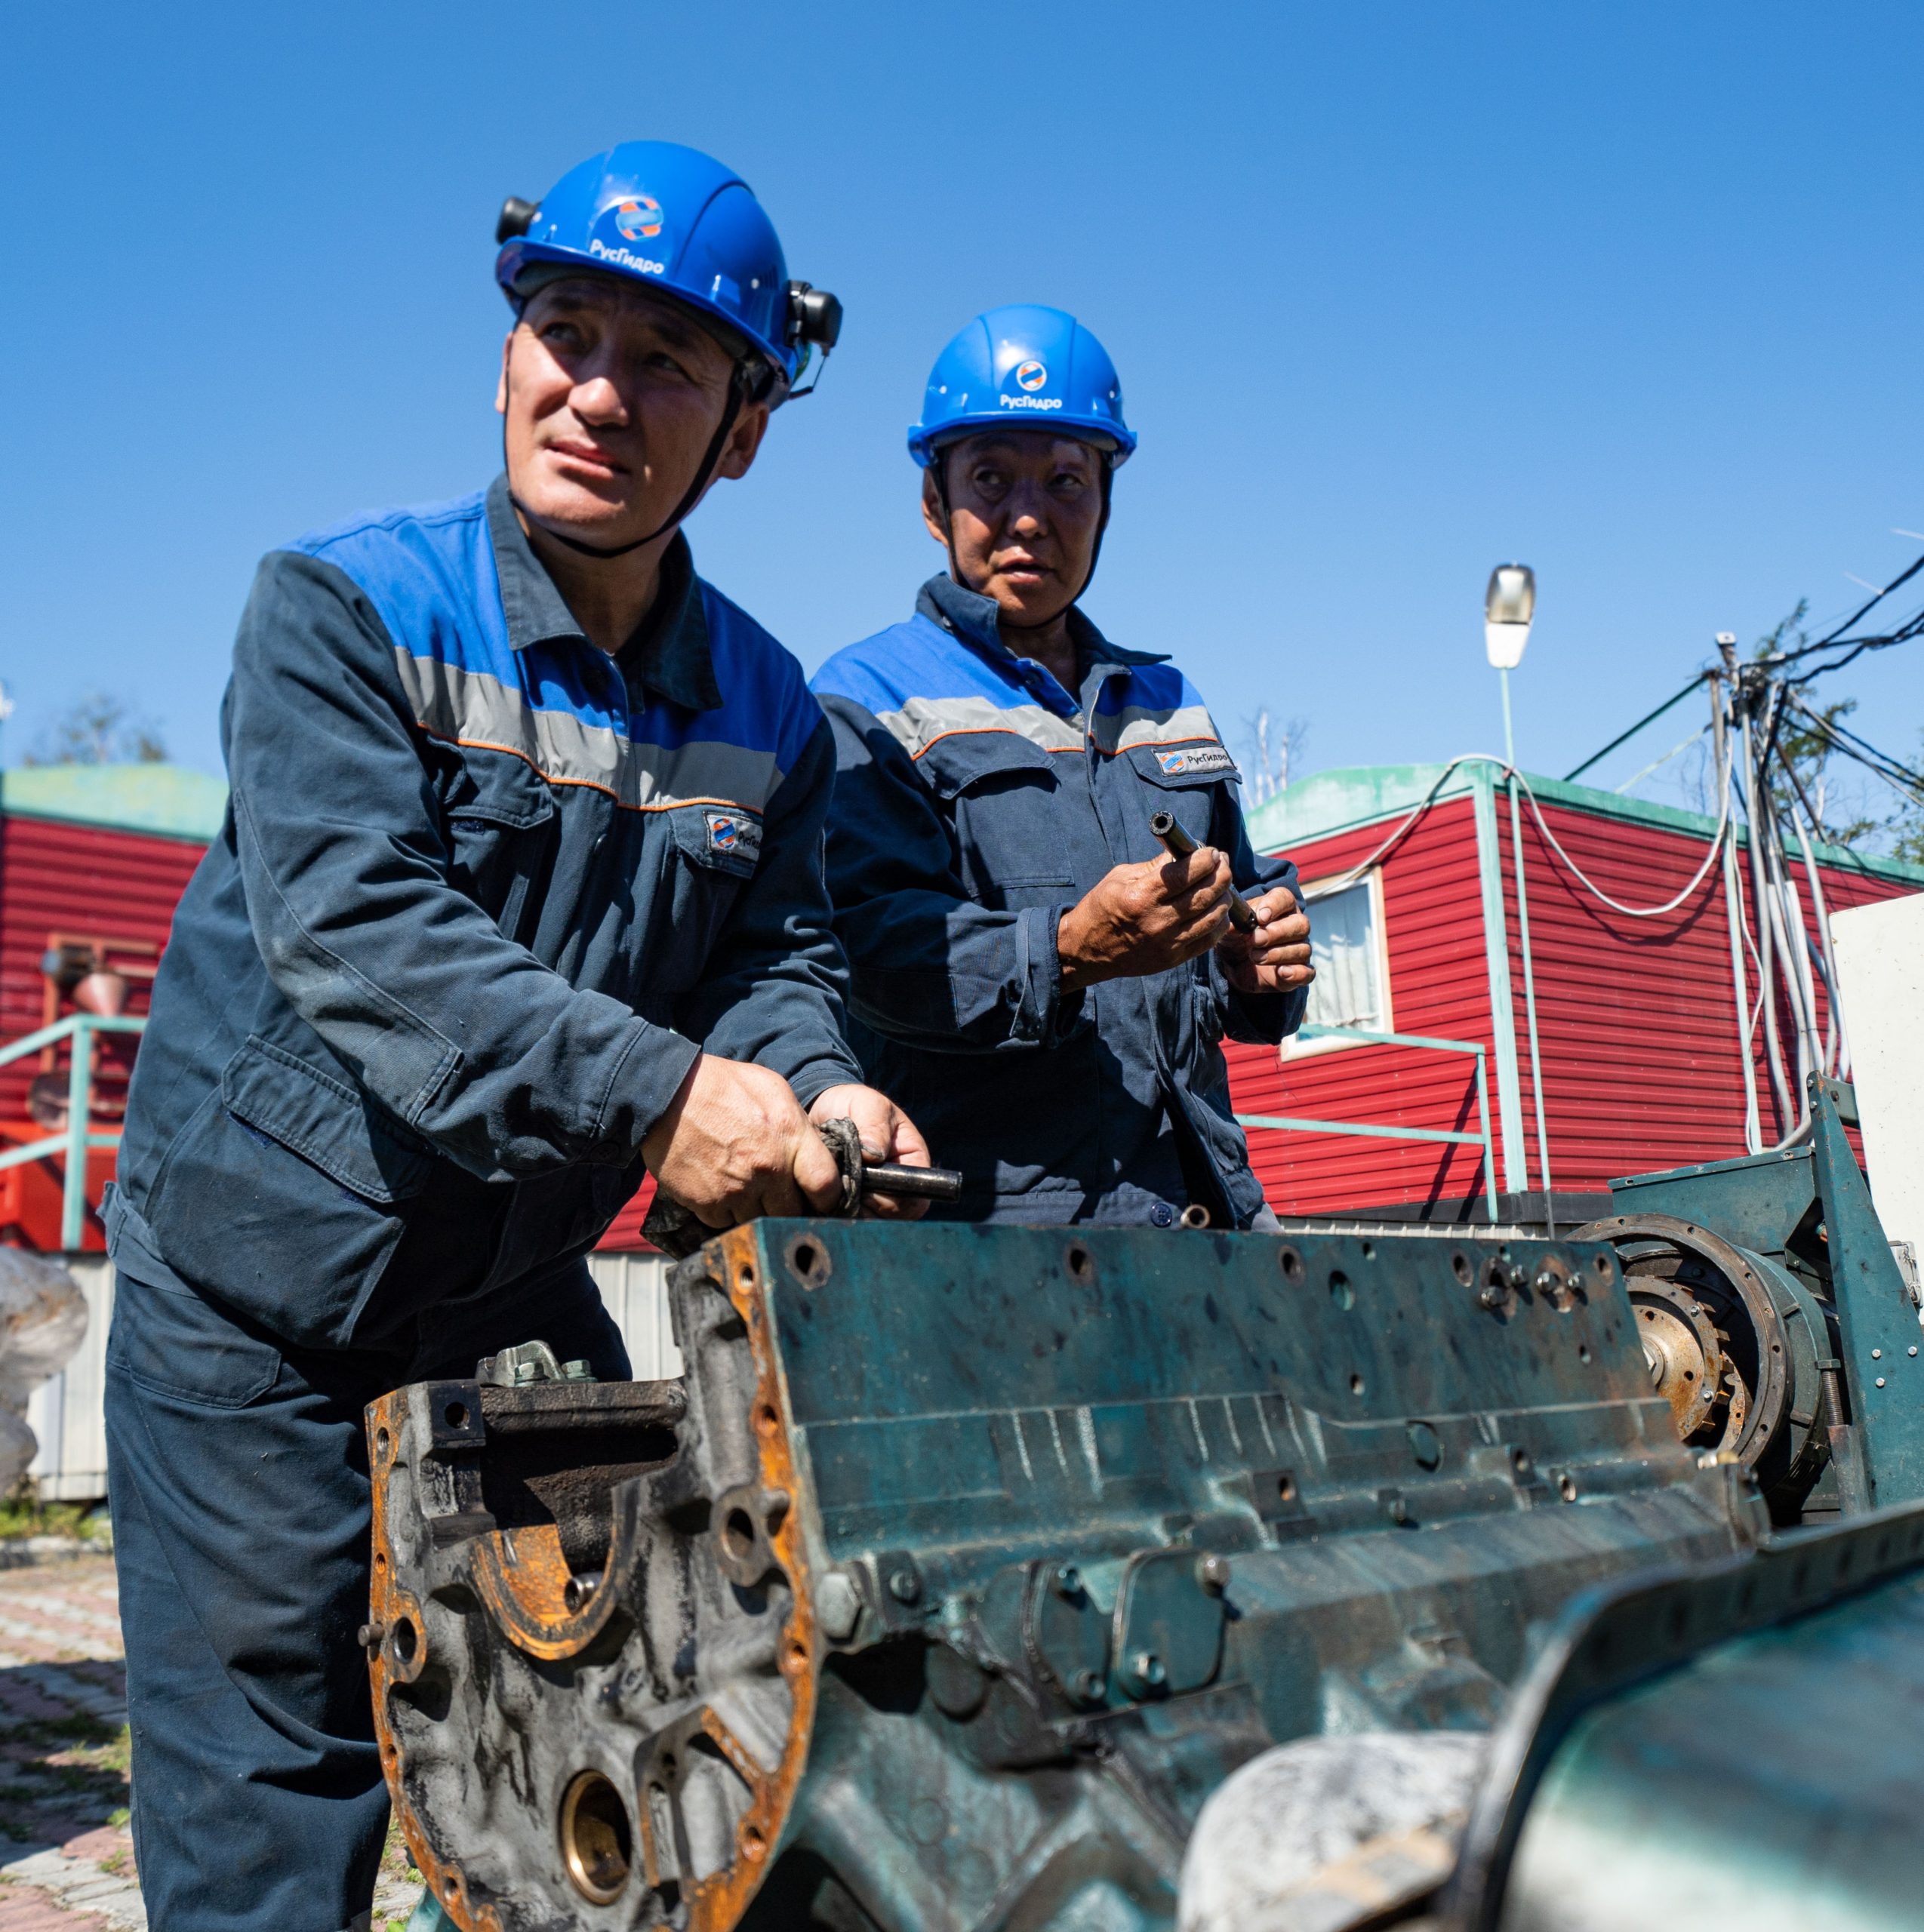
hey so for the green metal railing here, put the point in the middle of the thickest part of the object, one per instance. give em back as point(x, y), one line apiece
point(1290, 1125)
point(75, 1141)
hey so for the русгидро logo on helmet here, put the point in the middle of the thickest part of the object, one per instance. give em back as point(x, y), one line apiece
point(1031, 376)
point(639, 220)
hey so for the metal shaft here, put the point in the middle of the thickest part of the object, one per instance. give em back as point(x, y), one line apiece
point(923, 1183)
point(1178, 845)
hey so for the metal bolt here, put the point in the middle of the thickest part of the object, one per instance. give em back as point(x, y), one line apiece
point(370, 1634)
point(1880, 1382)
point(837, 1605)
point(577, 1370)
point(1489, 1296)
point(1213, 1574)
point(1913, 1348)
point(1088, 1685)
point(904, 1586)
point(526, 1372)
point(1066, 1579)
point(1877, 1355)
point(1146, 1667)
point(1399, 1510)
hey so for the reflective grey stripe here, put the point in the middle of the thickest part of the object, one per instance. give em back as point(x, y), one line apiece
point(922, 720)
point(475, 708)
point(1119, 730)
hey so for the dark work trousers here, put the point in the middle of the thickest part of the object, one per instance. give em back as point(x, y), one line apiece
point(239, 1478)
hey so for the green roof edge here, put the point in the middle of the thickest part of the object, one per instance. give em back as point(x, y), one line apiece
point(1349, 797)
point(162, 801)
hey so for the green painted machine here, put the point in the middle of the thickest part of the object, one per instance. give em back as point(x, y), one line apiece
point(1108, 1580)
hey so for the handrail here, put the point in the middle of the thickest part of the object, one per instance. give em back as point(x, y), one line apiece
point(1289, 1124)
point(74, 1142)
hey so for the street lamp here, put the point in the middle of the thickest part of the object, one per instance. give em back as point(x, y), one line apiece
point(1509, 605)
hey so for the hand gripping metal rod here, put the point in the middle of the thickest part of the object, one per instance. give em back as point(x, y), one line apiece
point(1178, 845)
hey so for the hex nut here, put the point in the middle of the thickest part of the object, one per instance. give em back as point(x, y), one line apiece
point(1212, 1573)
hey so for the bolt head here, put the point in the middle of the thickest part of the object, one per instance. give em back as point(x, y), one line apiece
point(1088, 1685)
point(904, 1586)
point(1146, 1668)
point(1213, 1574)
point(1066, 1579)
point(837, 1605)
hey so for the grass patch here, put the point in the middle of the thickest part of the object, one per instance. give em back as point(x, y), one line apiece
point(22, 1514)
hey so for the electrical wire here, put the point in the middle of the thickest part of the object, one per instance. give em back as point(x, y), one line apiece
point(1668, 704)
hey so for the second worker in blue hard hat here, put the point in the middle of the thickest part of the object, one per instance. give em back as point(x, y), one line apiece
point(1032, 975)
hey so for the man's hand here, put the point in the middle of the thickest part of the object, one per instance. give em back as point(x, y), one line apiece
point(1145, 918)
point(734, 1144)
point(1275, 958)
point(887, 1134)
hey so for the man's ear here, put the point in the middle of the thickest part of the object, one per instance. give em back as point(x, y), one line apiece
point(933, 513)
point(738, 453)
point(501, 386)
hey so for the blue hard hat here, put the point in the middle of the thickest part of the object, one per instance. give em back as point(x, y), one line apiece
point(677, 219)
point(1032, 368)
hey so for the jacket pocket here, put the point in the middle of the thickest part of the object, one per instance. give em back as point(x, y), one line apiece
point(285, 1194)
point(1188, 780)
point(334, 1126)
point(501, 826)
point(718, 839)
point(178, 1345)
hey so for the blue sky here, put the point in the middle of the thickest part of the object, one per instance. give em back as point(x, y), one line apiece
point(1397, 292)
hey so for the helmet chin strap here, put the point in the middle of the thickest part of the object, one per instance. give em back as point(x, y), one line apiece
point(741, 381)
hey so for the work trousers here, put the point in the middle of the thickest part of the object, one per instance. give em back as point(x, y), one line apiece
point(238, 1474)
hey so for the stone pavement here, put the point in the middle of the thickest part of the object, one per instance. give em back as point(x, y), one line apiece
point(66, 1861)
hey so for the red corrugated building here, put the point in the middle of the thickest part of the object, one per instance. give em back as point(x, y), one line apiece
point(1637, 1031)
point(1637, 1028)
point(93, 860)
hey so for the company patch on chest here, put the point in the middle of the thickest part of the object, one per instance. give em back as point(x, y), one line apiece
point(1194, 758)
point(736, 833)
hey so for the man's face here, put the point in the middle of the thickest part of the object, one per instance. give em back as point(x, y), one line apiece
point(610, 394)
point(1025, 509)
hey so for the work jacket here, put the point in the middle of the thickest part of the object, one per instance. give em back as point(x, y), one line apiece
point(976, 801)
point(481, 895)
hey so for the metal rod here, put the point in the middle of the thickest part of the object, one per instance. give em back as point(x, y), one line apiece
point(1178, 845)
point(80, 1081)
point(1290, 1123)
point(49, 1036)
point(1509, 738)
point(1754, 1137)
point(1530, 1010)
point(924, 1183)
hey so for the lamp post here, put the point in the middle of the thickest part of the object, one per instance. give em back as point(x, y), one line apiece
point(1508, 606)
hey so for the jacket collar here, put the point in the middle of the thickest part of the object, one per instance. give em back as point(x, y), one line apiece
point(669, 656)
point(972, 617)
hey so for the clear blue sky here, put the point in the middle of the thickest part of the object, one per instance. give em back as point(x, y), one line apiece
point(1632, 292)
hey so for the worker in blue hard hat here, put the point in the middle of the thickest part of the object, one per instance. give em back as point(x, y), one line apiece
point(518, 896)
point(1033, 972)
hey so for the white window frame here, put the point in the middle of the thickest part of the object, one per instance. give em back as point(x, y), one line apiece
point(1295, 1049)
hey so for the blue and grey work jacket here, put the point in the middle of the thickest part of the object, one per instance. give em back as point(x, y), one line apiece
point(482, 894)
point(976, 801)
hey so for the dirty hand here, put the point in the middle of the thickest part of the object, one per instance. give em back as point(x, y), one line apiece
point(1145, 918)
point(1275, 958)
point(887, 1134)
point(735, 1144)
